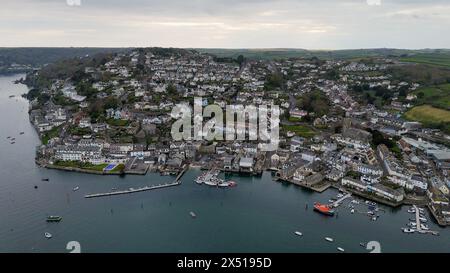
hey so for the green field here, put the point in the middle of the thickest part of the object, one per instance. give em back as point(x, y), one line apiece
point(428, 114)
point(438, 96)
point(440, 59)
point(300, 130)
point(117, 122)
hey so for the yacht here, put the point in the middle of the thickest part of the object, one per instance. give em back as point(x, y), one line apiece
point(424, 227)
point(408, 230)
point(423, 219)
point(298, 233)
point(329, 239)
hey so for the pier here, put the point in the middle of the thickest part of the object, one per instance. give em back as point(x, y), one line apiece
point(338, 202)
point(177, 182)
point(132, 190)
point(418, 223)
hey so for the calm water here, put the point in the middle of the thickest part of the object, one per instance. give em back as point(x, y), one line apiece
point(259, 215)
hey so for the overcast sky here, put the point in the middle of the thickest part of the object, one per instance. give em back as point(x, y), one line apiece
point(310, 24)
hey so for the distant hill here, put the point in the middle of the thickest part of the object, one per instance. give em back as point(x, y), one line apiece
point(37, 56)
point(282, 53)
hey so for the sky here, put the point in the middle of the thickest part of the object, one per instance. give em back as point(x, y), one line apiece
point(308, 24)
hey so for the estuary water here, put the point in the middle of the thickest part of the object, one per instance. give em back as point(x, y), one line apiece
point(259, 215)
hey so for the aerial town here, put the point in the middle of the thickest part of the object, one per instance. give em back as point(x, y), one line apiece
point(343, 123)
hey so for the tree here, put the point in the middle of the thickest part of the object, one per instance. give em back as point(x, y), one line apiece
point(240, 60)
point(171, 89)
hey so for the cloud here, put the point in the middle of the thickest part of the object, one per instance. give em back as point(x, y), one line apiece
point(226, 23)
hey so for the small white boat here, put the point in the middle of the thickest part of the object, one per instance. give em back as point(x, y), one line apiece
point(76, 188)
point(329, 239)
point(193, 215)
point(408, 230)
point(424, 227)
point(48, 235)
point(340, 249)
point(298, 233)
point(352, 211)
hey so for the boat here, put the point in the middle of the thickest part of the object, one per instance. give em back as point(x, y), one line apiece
point(45, 179)
point(422, 219)
point(35, 186)
point(362, 244)
point(352, 211)
point(76, 188)
point(374, 218)
point(340, 249)
point(22, 133)
point(48, 235)
point(340, 195)
point(329, 239)
point(424, 227)
point(54, 218)
point(114, 189)
point(11, 96)
point(193, 215)
point(324, 209)
point(298, 233)
point(408, 230)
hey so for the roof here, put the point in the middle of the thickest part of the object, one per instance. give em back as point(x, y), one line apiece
point(246, 162)
point(441, 155)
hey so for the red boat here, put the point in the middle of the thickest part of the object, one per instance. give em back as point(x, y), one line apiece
point(324, 209)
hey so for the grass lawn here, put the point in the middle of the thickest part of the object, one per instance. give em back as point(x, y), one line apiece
point(438, 96)
point(429, 58)
point(49, 135)
point(293, 119)
point(81, 165)
point(300, 130)
point(428, 114)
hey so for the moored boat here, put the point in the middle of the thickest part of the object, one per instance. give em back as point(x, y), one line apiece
point(324, 209)
point(408, 230)
point(340, 249)
point(54, 218)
